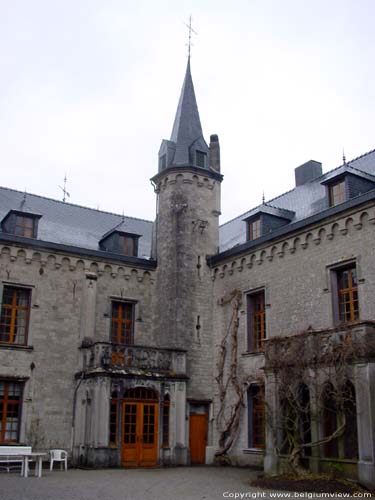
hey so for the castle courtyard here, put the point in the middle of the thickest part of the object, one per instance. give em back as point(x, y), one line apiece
point(188, 483)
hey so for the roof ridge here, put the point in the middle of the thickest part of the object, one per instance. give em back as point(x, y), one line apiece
point(75, 205)
point(361, 156)
point(290, 190)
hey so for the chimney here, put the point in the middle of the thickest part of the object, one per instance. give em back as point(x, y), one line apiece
point(214, 153)
point(308, 172)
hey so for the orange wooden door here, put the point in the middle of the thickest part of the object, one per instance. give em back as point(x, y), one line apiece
point(198, 438)
point(139, 434)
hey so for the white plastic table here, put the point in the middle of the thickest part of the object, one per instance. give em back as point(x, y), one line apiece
point(38, 463)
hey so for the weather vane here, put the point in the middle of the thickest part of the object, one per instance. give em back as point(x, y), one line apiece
point(191, 30)
point(63, 189)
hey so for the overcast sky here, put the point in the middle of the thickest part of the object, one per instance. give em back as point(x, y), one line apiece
point(90, 88)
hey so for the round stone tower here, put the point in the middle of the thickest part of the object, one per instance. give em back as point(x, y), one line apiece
point(186, 231)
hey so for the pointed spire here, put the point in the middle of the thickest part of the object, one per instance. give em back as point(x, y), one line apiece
point(187, 125)
point(186, 147)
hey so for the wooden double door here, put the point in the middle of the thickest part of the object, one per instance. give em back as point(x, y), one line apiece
point(139, 434)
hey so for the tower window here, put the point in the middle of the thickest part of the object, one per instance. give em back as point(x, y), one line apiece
point(201, 159)
point(163, 162)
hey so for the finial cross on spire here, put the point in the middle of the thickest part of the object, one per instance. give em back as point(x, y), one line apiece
point(191, 30)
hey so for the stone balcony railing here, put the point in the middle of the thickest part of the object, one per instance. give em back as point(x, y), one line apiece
point(132, 358)
point(354, 342)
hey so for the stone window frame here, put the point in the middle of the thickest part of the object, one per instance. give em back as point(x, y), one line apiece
point(250, 296)
point(120, 300)
point(334, 271)
point(6, 402)
point(26, 344)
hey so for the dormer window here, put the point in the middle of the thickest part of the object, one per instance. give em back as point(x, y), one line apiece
point(21, 224)
point(337, 193)
point(254, 229)
point(201, 159)
point(120, 242)
point(128, 244)
point(347, 184)
point(163, 162)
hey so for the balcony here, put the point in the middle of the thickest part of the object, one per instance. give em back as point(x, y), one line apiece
point(133, 360)
point(350, 343)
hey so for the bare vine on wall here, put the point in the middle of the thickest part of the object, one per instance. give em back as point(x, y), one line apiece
point(318, 361)
point(231, 389)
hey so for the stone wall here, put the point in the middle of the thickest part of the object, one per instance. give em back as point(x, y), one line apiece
point(295, 273)
point(70, 300)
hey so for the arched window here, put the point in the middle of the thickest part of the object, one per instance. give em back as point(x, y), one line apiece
point(350, 437)
point(330, 420)
point(166, 413)
point(304, 417)
point(256, 416)
point(295, 418)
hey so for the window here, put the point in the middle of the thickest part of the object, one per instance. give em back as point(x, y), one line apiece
point(21, 224)
point(340, 407)
point(15, 313)
point(348, 306)
point(120, 242)
point(337, 193)
point(256, 417)
point(113, 419)
point(10, 411)
point(127, 244)
point(201, 159)
point(122, 322)
point(166, 408)
point(256, 321)
point(163, 162)
point(254, 229)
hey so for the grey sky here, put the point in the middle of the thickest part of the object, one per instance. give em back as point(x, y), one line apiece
point(90, 88)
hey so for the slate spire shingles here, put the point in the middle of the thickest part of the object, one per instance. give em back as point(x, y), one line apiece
point(187, 125)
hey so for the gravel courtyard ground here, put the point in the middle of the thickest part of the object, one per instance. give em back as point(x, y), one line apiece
point(208, 483)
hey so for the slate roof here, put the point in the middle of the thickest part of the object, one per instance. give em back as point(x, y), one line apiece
point(74, 225)
point(187, 125)
point(305, 200)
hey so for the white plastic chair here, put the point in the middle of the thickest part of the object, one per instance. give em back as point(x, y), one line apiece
point(59, 456)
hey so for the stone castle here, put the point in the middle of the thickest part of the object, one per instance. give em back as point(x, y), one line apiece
point(136, 343)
